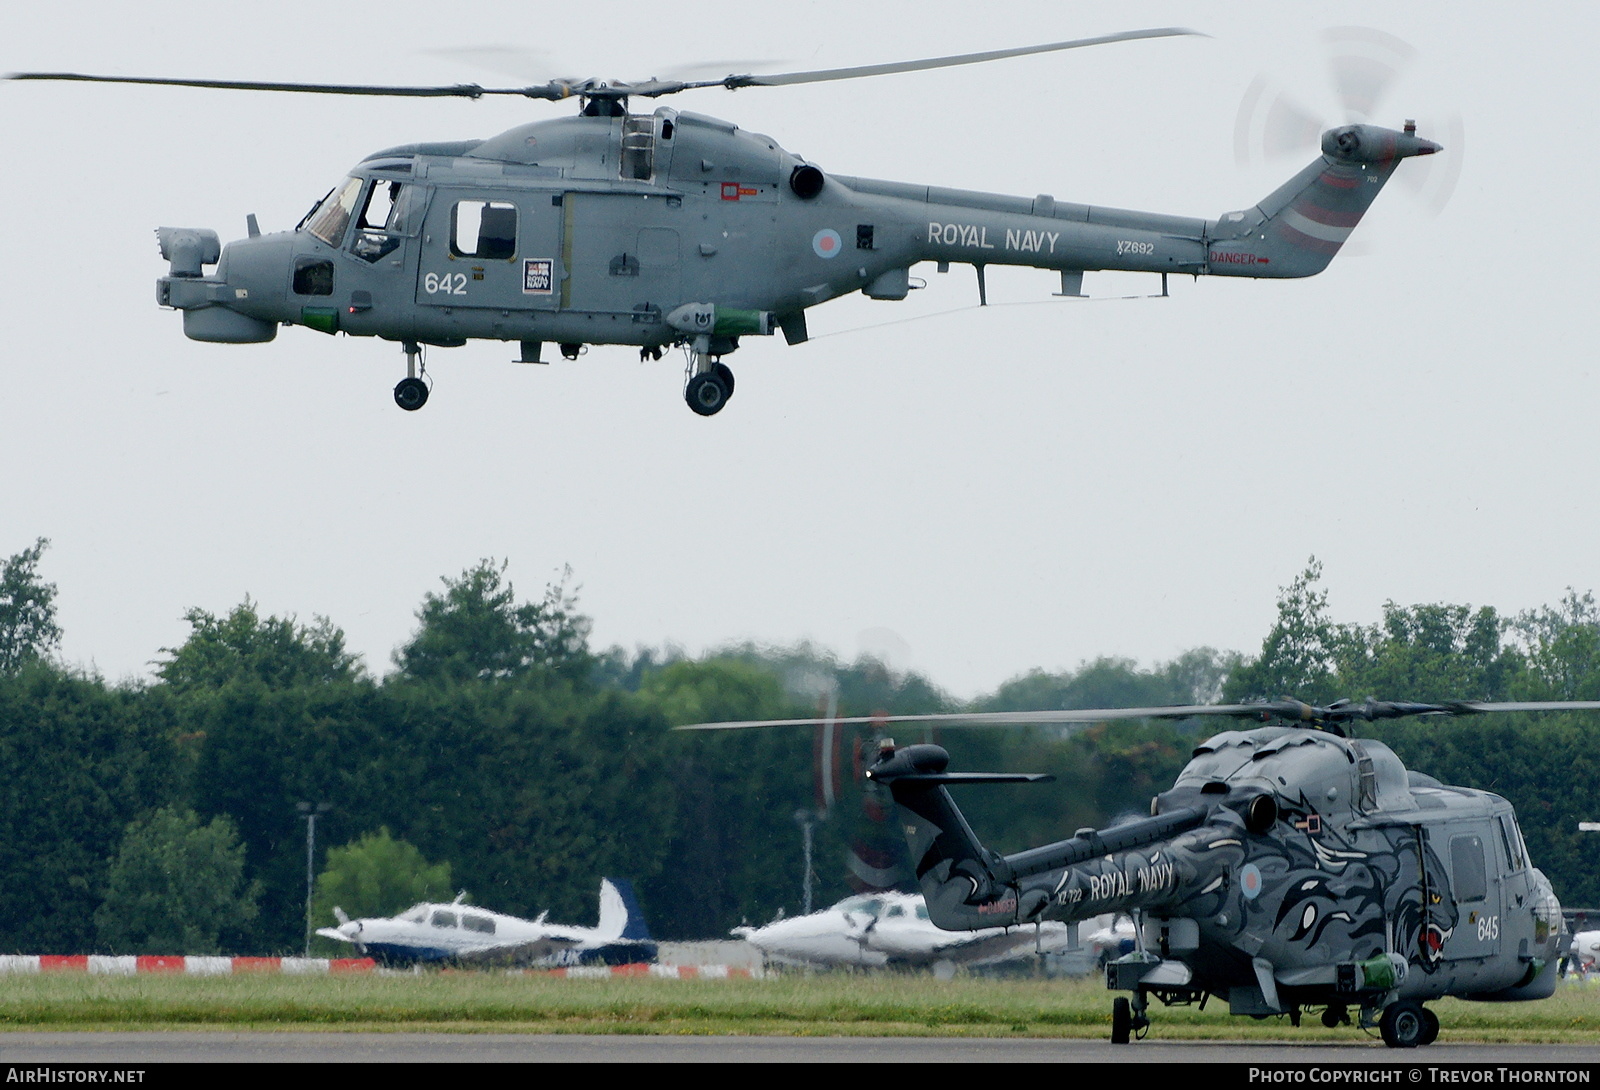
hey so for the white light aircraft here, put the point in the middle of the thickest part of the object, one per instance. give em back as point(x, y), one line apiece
point(879, 929)
point(465, 933)
point(1584, 953)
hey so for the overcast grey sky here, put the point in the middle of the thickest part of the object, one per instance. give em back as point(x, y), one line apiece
point(1029, 485)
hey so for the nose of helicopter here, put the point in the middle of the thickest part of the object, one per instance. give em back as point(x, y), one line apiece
point(257, 269)
point(243, 301)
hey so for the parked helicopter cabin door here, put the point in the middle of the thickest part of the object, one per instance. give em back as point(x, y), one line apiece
point(491, 248)
point(1475, 886)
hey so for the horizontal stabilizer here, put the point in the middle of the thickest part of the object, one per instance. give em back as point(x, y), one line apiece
point(965, 777)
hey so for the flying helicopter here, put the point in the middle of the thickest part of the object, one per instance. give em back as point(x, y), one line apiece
point(1290, 868)
point(677, 229)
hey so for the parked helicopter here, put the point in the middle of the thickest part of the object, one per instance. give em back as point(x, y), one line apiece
point(1289, 868)
point(677, 229)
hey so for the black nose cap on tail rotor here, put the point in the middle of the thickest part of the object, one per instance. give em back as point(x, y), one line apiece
point(909, 760)
point(1373, 144)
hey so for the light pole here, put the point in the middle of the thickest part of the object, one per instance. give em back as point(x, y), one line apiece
point(309, 812)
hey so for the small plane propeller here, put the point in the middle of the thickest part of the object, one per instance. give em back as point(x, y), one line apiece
point(591, 88)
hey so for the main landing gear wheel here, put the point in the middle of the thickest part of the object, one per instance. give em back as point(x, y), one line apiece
point(411, 394)
point(707, 392)
point(1430, 1027)
point(725, 373)
point(1405, 1024)
point(1121, 1021)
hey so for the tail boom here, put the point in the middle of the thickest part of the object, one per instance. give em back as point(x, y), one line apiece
point(1294, 232)
point(1150, 863)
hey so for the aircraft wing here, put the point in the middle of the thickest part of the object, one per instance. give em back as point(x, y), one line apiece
point(524, 952)
point(991, 947)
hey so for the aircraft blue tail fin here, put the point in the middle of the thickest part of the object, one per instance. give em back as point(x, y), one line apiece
point(620, 915)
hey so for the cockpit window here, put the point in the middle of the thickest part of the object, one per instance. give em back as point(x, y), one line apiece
point(1511, 840)
point(391, 211)
point(330, 218)
point(444, 919)
point(861, 904)
point(380, 205)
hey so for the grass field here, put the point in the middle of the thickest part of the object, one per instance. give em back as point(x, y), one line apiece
point(824, 1004)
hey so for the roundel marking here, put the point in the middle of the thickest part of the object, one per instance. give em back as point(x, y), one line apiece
point(1250, 881)
point(827, 243)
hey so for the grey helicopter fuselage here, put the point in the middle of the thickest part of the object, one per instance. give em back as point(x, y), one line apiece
point(677, 228)
point(1286, 868)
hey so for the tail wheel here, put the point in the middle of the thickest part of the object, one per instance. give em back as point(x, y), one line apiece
point(1405, 1024)
point(1121, 1021)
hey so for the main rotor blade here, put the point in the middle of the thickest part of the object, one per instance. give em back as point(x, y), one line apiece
point(1474, 707)
point(1000, 719)
point(459, 90)
point(1286, 710)
point(784, 79)
point(652, 88)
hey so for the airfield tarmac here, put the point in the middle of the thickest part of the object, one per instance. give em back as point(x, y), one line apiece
point(225, 1046)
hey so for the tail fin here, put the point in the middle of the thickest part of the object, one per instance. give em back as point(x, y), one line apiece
point(967, 886)
point(1299, 228)
point(620, 915)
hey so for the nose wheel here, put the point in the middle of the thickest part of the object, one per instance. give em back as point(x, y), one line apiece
point(411, 392)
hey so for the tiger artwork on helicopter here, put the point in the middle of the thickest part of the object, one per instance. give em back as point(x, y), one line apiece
point(1361, 886)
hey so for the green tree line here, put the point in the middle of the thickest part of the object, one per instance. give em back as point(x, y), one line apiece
point(503, 756)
